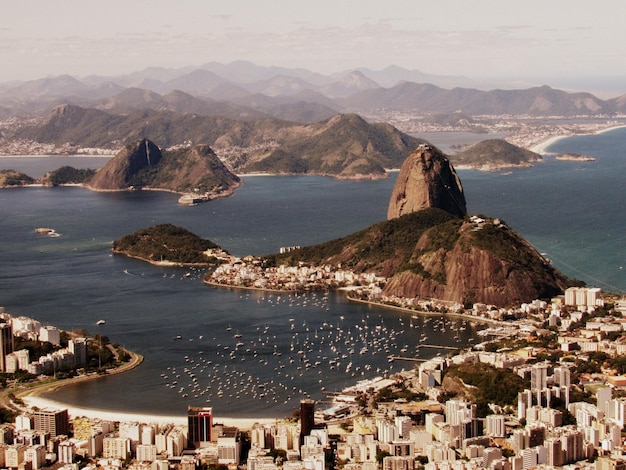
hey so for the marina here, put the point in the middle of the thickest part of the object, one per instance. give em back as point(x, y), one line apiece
point(73, 281)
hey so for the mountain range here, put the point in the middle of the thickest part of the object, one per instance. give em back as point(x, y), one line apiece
point(245, 90)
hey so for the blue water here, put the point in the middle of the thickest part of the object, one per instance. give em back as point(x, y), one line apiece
point(292, 347)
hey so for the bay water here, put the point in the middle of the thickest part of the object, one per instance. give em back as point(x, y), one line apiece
point(257, 354)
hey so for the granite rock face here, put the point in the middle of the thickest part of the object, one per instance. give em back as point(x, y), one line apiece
point(488, 263)
point(195, 170)
point(117, 173)
point(427, 179)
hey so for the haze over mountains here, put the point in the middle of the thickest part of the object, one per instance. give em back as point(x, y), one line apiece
point(242, 90)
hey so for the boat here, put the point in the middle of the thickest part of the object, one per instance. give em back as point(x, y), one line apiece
point(100, 322)
point(47, 231)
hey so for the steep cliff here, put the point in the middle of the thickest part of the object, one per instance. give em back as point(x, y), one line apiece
point(142, 164)
point(476, 260)
point(118, 172)
point(194, 169)
point(427, 179)
point(431, 254)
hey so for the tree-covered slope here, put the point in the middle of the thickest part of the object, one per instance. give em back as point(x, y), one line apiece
point(166, 243)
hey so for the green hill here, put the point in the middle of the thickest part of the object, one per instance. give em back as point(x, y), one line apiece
point(494, 154)
point(67, 175)
point(433, 254)
point(166, 244)
point(12, 178)
point(345, 146)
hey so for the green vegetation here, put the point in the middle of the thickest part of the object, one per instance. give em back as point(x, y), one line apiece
point(326, 147)
point(168, 243)
point(67, 175)
point(492, 385)
point(280, 161)
point(506, 245)
point(14, 178)
point(387, 243)
point(396, 392)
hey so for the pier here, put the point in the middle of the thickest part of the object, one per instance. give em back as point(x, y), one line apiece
point(434, 346)
point(403, 358)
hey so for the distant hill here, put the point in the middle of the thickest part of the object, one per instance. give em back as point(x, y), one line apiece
point(142, 164)
point(136, 99)
point(361, 91)
point(494, 154)
point(427, 98)
point(67, 175)
point(167, 244)
point(12, 178)
point(345, 145)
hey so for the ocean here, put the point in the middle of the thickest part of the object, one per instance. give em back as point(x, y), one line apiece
point(257, 354)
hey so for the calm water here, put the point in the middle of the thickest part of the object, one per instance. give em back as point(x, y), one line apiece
point(286, 347)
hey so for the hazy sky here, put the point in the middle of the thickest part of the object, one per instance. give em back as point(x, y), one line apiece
point(523, 39)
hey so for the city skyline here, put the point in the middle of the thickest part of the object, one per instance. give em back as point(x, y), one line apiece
point(560, 43)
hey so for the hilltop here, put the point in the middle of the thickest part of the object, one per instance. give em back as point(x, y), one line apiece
point(427, 179)
point(431, 254)
point(430, 249)
point(493, 154)
point(13, 179)
point(142, 164)
point(344, 146)
point(167, 244)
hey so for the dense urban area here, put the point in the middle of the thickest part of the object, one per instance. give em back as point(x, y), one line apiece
point(545, 391)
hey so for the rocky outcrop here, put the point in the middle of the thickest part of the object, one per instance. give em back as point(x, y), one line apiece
point(487, 263)
point(118, 173)
point(426, 179)
point(495, 154)
point(194, 170)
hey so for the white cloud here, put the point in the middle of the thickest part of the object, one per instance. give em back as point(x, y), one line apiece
point(453, 37)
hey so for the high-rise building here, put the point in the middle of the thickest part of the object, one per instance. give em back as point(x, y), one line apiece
point(307, 418)
point(55, 422)
point(78, 347)
point(66, 452)
point(199, 425)
point(495, 425)
point(539, 379)
point(6, 344)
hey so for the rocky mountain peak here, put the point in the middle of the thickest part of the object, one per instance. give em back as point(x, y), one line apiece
point(117, 173)
point(427, 179)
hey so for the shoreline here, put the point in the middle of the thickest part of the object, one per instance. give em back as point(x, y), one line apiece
point(34, 397)
point(122, 416)
point(423, 312)
point(541, 147)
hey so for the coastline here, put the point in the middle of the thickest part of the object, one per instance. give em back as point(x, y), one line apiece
point(423, 312)
point(110, 415)
point(541, 147)
point(34, 397)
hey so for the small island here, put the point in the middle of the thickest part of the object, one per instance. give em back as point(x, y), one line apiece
point(169, 245)
point(495, 154)
point(575, 157)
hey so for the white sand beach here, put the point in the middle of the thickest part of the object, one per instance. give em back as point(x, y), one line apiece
point(109, 415)
point(541, 147)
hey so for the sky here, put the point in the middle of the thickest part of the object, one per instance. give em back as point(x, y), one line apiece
point(545, 41)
